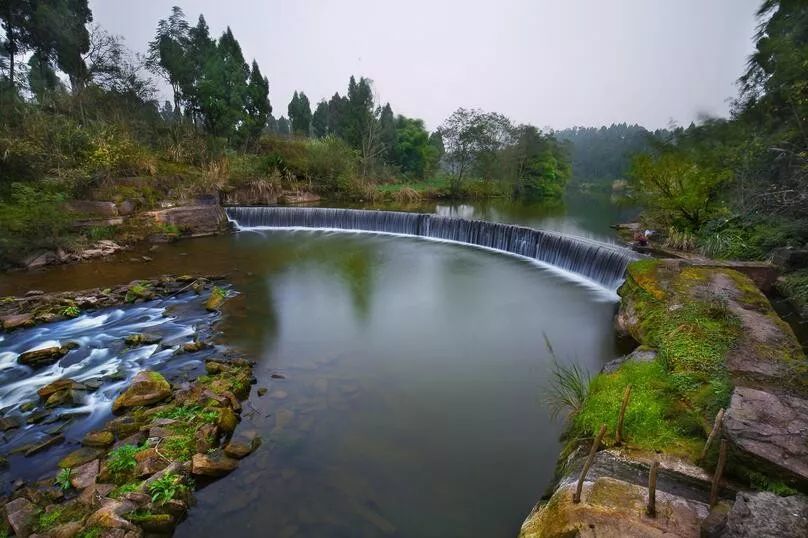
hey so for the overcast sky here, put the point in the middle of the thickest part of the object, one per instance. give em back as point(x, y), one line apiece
point(552, 63)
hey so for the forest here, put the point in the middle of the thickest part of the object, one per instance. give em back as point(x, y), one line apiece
point(80, 109)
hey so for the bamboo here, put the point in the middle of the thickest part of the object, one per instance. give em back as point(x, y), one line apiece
point(650, 509)
point(576, 498)
point(618, 436)
point(719, 418)
point(719, 470)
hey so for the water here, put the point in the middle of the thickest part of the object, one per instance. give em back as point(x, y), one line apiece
point(412, 399)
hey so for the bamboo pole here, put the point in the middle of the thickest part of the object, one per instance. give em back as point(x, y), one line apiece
point(650, 509)
point(719, 470)
point(618, 435)
point(719, 418)
point(576, 498)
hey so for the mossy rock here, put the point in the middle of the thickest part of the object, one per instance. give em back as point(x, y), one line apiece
point(147, 388)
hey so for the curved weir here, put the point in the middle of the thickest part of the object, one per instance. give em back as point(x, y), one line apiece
point(602, 263)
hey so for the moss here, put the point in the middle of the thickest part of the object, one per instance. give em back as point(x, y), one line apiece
point(59, 515)
point(123, 489)
point(795, 287)
point(655, 418)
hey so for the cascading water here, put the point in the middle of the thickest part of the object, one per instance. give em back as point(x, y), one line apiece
point(600, 262)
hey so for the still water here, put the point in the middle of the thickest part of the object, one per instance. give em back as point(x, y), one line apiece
point(410, 402)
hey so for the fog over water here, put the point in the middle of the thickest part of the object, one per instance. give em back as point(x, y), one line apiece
point(555, 64)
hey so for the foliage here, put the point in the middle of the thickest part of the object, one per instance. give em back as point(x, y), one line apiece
point(63, 479)
point(299, 111)
point(71, 311)
point(167, 487)
point(568, 390)
point(795, 286)
point(121, 460)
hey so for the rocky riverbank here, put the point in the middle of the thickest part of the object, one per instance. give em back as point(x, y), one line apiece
point(135, 473)
point(711, 345)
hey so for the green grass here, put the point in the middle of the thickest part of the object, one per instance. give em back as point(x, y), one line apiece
point(422, 186)
point(568, 390)
point(119, 491)
point(59, 515)
point(190, 413)
point(63, 479)
point(655, 419)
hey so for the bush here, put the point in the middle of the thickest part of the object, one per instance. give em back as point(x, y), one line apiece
point(331, 164)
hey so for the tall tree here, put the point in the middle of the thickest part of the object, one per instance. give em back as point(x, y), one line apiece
point(223, 88)
point(319, 120)
point(15, 16)
point(387, 132)
point(257, 107)
point(167, 55)
point(299, 111)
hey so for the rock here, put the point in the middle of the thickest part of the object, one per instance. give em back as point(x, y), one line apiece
point(42, 357)
point(256, 192)
point(297, 197)
point(243, 446)
point(147, 388)
point(40, 259)
point(772, 428)
point(9, 423)
point(34, 293)
point(638, 355)
point(63, 398)
point(66, 530)
point(278, 376)
point(193, 347)
point(214, 463)
point(193, 220)
point(789, 258)
point(765, 514)
point(126, 207)
point(123, 426)
point(261, 391)
point(142, 339)
point(227, 420)
point(149, 461)
point(110, 514)
point(20, 514)
point(205, 437)
point(215, 301)
point(84, 476)
point(161, 524)
point(93, 208)
point(283, 418)
point(47, 443)
point(65, 384)
point(16, 321)
point(80, 457)
point(101, 439)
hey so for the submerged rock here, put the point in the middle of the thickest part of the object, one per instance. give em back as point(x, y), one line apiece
point(59, 386)
point(147, 388)
point(141, 339)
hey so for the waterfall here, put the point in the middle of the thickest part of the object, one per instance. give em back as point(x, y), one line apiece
point(602, 263)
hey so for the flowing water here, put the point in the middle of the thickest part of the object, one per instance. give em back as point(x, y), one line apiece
point(407, 397)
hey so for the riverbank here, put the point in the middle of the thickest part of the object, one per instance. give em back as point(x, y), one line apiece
point(135, 473)
point(710, 343)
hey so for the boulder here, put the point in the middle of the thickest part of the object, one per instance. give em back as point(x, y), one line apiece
point(70, 529)
point(16, 321)
point(141, 339)
point(101, 439)
point(214, 463)
point(127, 207)
point(149, 461)
point(93, 208)
point(84, 475)
point(770, 429)
point(110, 516)
point(147, 388)
point(765, 514)
point(242, 446)
point(41, 259)
point(227, 420)
point(42, 357)
point(65, 384)
point(193, 220)
point(80, 457)
point(20, 514)
point(789, 258)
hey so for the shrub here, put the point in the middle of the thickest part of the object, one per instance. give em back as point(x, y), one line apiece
point(166, 488)
point(63, 479)
point(121, 460)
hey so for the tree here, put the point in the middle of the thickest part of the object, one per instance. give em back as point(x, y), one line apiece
point(222, 92)
point(167, 56)
point(16, 16)
point(537, 163)
point(284, 128)
point(319, 120)
point(470, 136)
point(257, 108)
point(675, 189)
point(358, 113)
point(42, 79)
point(299, 111)
point(387, 132)
point(337, 113)
point(412, 151)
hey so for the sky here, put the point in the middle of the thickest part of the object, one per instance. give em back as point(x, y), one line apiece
point(551, 63)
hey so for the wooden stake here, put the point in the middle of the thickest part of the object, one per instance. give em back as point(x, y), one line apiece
point(576, 498)
point(719, 470)
point(618, 435)
point(719, 418)
point(650, 509)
